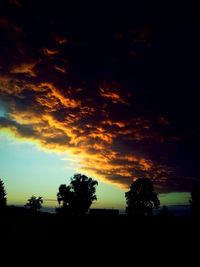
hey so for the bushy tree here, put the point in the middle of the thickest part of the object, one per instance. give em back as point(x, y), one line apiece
point(34, 203)
point(141, 199)
point(3, 199)
point(77, 197)
point(65, 199)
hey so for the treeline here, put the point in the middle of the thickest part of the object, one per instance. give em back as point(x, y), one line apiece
point(77, 197)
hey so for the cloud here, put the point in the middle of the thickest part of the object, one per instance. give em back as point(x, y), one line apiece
point(55, 120)
point(112, 95)
point(59, 39)
point(119, 124)
point(25, 68)
point(9, 85)
point(49, 52)
point(63, 98)
point(60, 69)
point(106, 96)
point(20, 130)
point(60, 120)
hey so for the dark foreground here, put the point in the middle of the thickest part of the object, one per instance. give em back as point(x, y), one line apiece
point(102, 236)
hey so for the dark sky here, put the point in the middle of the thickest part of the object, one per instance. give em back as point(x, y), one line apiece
point(115, 82)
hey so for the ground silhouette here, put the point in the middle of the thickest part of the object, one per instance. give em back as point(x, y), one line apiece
point(101, 235)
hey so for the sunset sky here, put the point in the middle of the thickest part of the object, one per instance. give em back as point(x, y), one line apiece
point(105, 88)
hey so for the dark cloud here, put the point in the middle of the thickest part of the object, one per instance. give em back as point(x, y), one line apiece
point(20, 130)
point(113, 82)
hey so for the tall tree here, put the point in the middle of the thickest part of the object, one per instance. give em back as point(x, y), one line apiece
point(3, 199)
point(65, 199)
point(34, 203)
point(77, 197)
point(141, 199)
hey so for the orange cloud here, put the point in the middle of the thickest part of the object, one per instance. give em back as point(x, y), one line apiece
point(59, 69)
point(25, 68)
point(106, 137)
point(9, 85)
point(49, 52)
point(113, 96)
point(98, 146)
point(60, 39)
point(120, 124)
point(57, 120)
point(146, 164)
point(113, 92)
point(64, 100)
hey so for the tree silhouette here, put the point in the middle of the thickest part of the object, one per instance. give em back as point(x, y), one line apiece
point(3, 199)
point(34, 203)
point(141, 199)
point(77, 197)
point(65, 198)
point(195, 201)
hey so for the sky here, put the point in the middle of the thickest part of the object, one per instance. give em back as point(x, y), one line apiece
point(104, 88)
